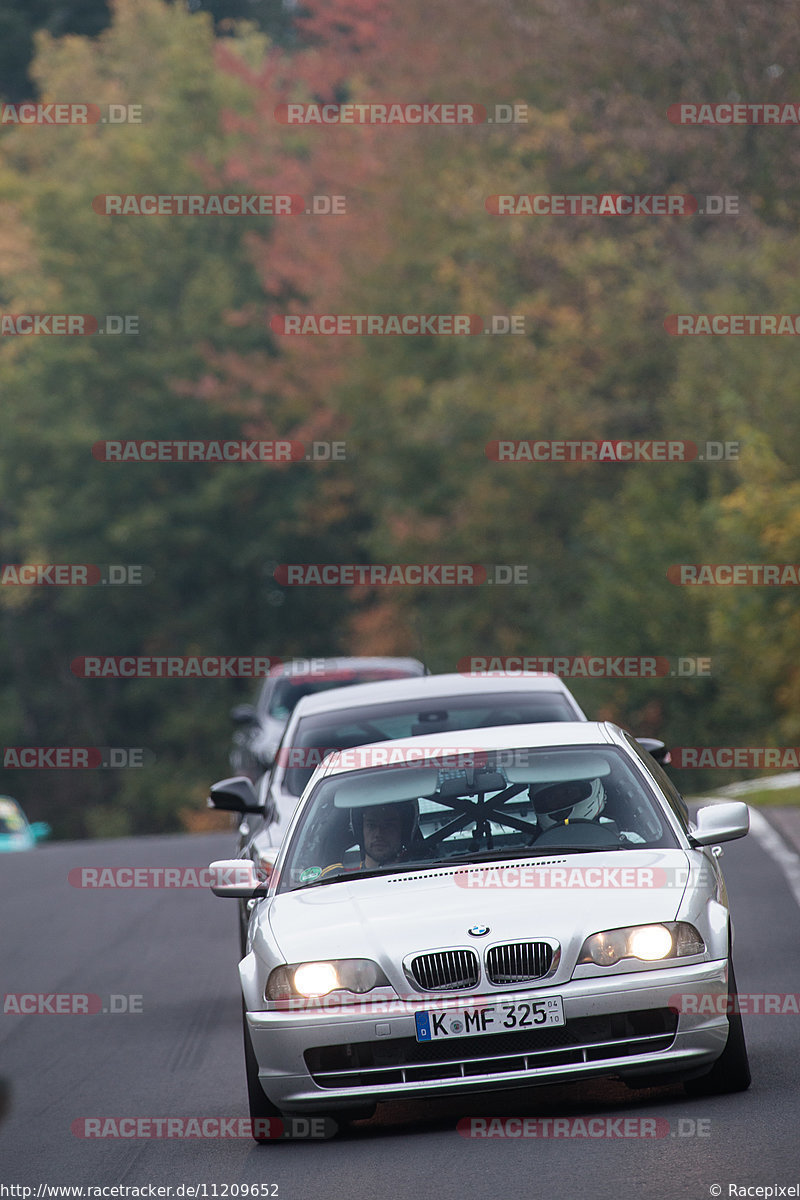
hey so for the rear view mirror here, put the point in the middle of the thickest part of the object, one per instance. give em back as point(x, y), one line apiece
point(653, 746)
point(244, 714)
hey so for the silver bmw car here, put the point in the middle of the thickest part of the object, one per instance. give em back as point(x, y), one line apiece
point(494, 909)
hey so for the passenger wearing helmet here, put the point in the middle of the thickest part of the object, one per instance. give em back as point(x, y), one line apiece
point(385, 833)
point(576, 800)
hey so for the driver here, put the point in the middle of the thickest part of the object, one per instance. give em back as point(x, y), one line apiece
point(384, 832)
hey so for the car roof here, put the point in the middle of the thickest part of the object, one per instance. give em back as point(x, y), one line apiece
point(321, 666)
point(545, 735)
point(542, 735)
point(429, 687)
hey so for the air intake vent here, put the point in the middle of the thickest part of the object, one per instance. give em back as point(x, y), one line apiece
point(518, 962)
point(445, 970)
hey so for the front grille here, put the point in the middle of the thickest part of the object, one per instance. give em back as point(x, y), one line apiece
point(404, 1060)
point(518, 962)
point(445, 969)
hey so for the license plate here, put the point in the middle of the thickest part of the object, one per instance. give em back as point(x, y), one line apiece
point(492, 1018)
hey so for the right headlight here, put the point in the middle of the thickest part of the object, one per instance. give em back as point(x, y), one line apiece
point(313, 980)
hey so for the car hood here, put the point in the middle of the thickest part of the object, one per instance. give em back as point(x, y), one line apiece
point(563, 898)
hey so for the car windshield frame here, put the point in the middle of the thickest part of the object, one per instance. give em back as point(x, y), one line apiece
point(477, 823)
point(292, 684)
point(553, 706)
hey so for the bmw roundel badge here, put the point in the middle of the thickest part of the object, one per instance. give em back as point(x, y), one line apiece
point(478, 930)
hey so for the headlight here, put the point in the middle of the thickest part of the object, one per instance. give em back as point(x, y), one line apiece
point(673, 939)
point(316, 979)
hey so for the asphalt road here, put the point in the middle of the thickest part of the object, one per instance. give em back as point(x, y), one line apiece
point(172, 954)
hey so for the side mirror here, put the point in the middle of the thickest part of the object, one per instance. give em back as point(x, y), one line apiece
point(244, 714)
point(653, 746)
point(236, 877)
point(234, 795)
point(720, 823)
point(40, 830)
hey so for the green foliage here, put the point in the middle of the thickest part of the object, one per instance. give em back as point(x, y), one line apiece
point(595, 361)
point(206, 533)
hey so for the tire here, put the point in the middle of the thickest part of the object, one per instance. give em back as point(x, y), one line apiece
point(261, 1109)
point(731, 1071)
point(242, 922)
point(264, 1115)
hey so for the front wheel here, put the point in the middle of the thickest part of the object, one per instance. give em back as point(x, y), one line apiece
point(264, 1116)
point(731, 1071)
point(268, 1123)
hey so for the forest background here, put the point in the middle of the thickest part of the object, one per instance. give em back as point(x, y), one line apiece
point(416, 413)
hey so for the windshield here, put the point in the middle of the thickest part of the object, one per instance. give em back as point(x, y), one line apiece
point(487, 806)
point(314, 737)
point(289, 691)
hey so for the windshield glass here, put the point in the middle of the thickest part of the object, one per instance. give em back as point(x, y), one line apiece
point(314, 737)
point(471, 808)
point(289, 691)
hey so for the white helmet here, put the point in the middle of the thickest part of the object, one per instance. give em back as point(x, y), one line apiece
point(576, 800)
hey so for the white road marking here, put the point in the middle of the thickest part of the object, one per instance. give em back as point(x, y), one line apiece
point(771, 841)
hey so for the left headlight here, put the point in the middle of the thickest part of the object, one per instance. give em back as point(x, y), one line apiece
point(672, 939)
point(312, 980)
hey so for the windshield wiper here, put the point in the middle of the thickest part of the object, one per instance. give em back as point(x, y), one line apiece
point(531, 852)
point(372, 873)
point(459, 860)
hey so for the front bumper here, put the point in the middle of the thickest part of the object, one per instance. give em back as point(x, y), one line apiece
point(350, 1057)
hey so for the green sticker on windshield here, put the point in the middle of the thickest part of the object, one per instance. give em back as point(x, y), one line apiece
point(310, 873)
